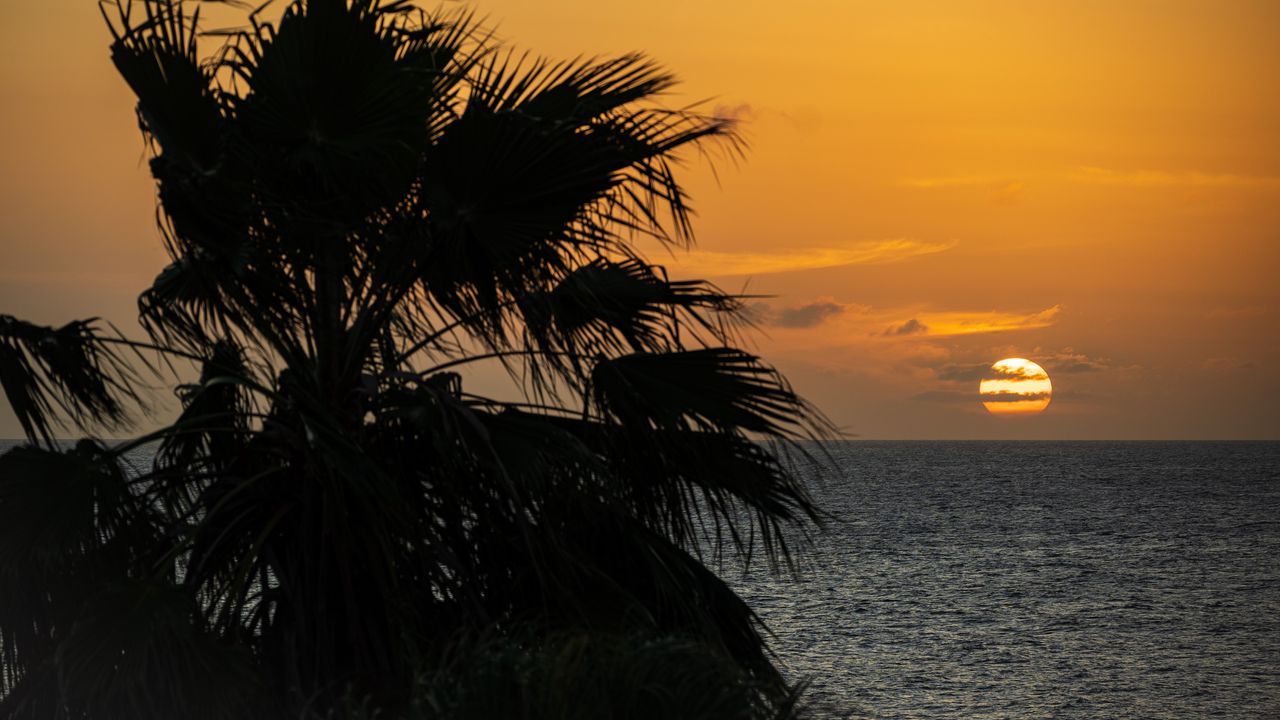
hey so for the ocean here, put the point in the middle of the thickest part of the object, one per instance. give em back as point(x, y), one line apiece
point(1037, 580)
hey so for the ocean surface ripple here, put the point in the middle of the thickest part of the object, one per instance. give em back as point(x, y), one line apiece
point(1037, 580)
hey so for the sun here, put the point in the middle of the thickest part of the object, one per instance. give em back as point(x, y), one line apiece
point(1015, 387)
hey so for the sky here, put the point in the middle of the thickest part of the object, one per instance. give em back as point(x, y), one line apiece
point(929, 187)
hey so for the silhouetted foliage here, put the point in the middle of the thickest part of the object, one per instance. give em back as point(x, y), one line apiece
point(360, 199)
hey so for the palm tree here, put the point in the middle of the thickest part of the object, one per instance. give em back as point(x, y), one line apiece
point(361, 199)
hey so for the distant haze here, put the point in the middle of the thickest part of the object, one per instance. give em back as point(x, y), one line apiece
point(930, 187)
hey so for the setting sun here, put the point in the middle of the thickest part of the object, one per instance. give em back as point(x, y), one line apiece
point(1016, 386)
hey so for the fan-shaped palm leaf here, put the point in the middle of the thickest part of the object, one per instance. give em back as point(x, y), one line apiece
point(711, 388)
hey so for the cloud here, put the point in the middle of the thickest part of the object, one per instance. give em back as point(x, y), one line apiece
point(962, 397)
point(1003, 189)
point(1007, 193)
point(1247, 311)
point(805, 316)
point(737, 113)
point(966, 323)
point(965, 372)
point(1070, 361)
point(950, 397)
point(1157, 178)
point(1005, 396)
point(956, 397)
point(1000, 190)
point(1226, 363)
point(1065, 361)
point(707, 263)
point(953, 181)
point(1017, 372)
point(910, 327)
point(802, 118)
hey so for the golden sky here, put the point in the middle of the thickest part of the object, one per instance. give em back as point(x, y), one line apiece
point(930, 187)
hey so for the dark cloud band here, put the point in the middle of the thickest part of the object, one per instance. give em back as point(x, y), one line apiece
point(1003, 397)
point(910, 327)
point(807, 315)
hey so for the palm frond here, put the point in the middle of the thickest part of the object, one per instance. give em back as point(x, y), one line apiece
point(709, 491)
point(71, 370)
point(213, 427)
point(710, 389)
point(545, 166)
point(69, 524)
point(612, 572)
point(335, 113)
point(611, 307)
point(177, 104)
point(136, 652)
point(567, 92)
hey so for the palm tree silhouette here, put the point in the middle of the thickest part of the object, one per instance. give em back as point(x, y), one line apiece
point(361, 199)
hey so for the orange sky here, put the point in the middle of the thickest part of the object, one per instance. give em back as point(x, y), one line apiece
point(931, 186)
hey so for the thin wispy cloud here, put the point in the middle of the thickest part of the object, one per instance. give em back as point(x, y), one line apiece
point(1158, 178)
point(1007, 188)
point(1068, 360)
point(969, 323)
point(1226, 363)
point(954, 181)
point(825, 323)
point(709, 263)
point(999, 190)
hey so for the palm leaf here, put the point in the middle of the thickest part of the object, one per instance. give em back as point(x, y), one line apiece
point(335, 114)
point(572, 92)
point(545, 165)
point(69, 524)
point(710, 389)
point(70, 369)
point(711, 491)
point(213, 428)
point(135, 652)
point(612, 573)
point(176, 101)
point(608, 307)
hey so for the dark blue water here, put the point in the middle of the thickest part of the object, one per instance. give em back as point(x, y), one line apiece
point(1039, 580)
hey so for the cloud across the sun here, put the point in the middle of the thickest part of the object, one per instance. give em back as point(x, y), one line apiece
point(1007, 396)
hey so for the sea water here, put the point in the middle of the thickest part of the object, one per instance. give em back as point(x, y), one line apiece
point(1037, 580)
point(1034, 580)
